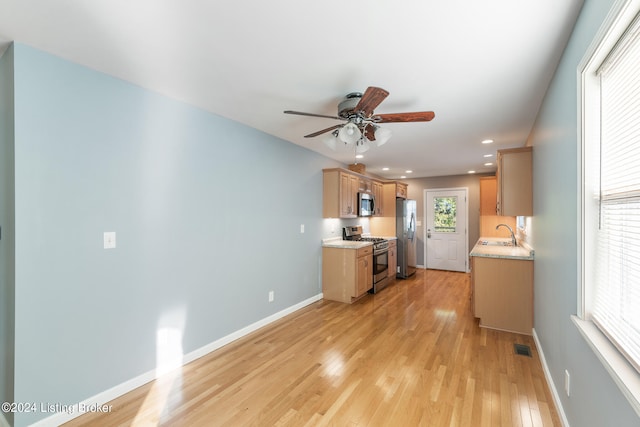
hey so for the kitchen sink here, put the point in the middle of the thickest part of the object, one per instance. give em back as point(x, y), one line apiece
point(495, 243)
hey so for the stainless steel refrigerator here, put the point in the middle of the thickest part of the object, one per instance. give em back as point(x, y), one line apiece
point(406, 234)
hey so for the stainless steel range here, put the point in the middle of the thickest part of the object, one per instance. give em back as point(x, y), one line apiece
point(380, 255)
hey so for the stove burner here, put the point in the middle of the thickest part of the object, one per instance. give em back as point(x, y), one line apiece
point(373, 239)
point(355, 233)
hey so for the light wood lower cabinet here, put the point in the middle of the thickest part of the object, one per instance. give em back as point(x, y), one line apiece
point(393, 258)
point(347, 273)
point(502, 293)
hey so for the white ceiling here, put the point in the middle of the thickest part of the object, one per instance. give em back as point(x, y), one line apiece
point(482, 66)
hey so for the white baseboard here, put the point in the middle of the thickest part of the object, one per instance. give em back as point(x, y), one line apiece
point(247, 330)
point(127, 386)
point(552, 385)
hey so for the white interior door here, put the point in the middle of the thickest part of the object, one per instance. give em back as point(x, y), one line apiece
point(446, 213)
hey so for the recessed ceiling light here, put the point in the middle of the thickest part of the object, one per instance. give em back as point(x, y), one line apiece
point(409, 171)
point(359, 156)
point(402, 177)
point(487, 141)
point(385, 169)
point(488, 164)
point(488, 155)
point(471, 172)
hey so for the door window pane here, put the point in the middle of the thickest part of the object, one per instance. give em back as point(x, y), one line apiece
point(444, 209)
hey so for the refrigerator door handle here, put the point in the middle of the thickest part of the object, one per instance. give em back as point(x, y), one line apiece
point(412, 226)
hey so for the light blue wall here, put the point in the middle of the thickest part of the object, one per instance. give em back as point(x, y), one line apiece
point(595, 400)
point(7, 251)
point(207, 214)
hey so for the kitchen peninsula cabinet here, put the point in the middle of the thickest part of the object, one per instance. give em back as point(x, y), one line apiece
point(347, 272)
point(515, 182)
point(502, 286)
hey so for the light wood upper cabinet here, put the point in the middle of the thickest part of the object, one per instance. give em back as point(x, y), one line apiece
point(488, 196)
point(489, 218)
point(401, 190)
point(349, 196)
point(515, 182)
point(339, 194)
point(340, 188)
point(365, 185)
point(378, 194)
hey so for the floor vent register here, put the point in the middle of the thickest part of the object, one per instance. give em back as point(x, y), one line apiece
point(522, 350)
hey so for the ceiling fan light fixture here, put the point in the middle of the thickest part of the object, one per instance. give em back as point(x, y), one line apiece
point(382, 135)
point(349, 133)
point(331, 140)
point(361, 131)
point(362, 145)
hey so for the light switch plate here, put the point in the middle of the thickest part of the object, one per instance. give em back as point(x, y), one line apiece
point(109, 239)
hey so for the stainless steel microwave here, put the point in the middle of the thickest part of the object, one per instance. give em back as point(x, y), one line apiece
point(366, 204)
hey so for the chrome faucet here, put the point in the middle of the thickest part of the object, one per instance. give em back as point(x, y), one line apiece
point(513, 237)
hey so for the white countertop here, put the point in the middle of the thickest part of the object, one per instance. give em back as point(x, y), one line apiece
point(337, 242)
point(522, 251)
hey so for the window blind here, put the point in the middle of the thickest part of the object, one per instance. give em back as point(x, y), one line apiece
point(616, 308)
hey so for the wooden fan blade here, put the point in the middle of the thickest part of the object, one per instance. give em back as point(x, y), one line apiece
point(370, 132)
point(421, 116)
point(320, 132)
point(300, 113)
point(372, 97)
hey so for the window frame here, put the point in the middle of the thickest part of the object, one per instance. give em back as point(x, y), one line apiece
point(621, 370)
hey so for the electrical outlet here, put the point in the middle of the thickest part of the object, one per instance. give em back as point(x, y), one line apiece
point(271, 296)
point(109, 239)
point(567, 382)
point(301, 228)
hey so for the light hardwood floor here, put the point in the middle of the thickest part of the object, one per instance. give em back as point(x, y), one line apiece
point(411, 355)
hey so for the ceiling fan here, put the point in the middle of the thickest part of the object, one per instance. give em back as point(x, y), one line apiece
point(361, 126)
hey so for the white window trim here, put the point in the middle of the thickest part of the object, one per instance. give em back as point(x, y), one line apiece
point(623, 373)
